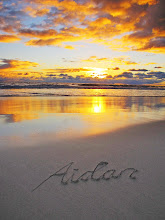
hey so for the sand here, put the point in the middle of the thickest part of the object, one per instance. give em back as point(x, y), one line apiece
point(141, 147)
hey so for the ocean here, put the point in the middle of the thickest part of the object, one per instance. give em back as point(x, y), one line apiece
point(77, 89)
point(70, 110)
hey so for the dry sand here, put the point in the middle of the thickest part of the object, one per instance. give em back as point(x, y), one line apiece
point(141, 147)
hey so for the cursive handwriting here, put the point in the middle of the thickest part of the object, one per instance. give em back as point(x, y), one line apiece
point(88, 175)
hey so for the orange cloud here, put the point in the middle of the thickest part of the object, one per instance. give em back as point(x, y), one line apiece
point(7, 64)
point(116, 60)
point(119, 24)
point(68, 70)
point(16, 68)
point(69, 47)
point(95, 30)
point(123, 61)
point(57, 40)
point(96, 59)
point(8, 38)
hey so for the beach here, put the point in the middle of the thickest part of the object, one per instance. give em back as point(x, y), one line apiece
point(140, 147)
point(82, 110)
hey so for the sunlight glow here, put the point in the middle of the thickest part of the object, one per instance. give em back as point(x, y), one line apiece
point(99, 72)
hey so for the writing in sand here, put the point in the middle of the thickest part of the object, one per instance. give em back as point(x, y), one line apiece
point(69, 174)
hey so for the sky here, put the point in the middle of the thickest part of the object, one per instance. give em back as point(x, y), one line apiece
point(94, 41)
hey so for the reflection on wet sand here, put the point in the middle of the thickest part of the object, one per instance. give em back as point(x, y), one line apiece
point(31, 119)
point(18, 109)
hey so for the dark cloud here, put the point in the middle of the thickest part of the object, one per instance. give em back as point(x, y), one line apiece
point(140, 35)
point(154, 17)
point(158, 42)
point(139, 70)
point(158, 75)
point(38, 33)
point(125, 75)
point(63, 75)
point(149, 29)
point(142, 76)
point(51, 75)
point(116, 68)
point(6, 64)
point(109, 77)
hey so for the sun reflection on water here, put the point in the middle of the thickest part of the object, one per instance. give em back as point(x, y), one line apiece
point(98, 105)
point(60, 117)
point(28, 108)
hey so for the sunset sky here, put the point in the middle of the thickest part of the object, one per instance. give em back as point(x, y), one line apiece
point(107, 41)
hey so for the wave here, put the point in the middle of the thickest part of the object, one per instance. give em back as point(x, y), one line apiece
point(76, 86)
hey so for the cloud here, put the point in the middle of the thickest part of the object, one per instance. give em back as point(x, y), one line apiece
point(125, 78)
point(127, 75)
point(116, 60)
point(44, 34)
point(109, 77)
point(69, 70)
point(139, 70)
point(158, 67)
point(116, 68)
point(8, 38)
point(77, 75)
point(158, 75)
point(148, 33)
point(142, 76)
point(51, 75)
point(123, 61)
point(50, 37)
point(97, 59)
point(7, 64)
point(10, 68)
point(37, 11)
point(69, 47)
point(118, 24)
point(11, 17)
point(137, 76)
point(156, 44)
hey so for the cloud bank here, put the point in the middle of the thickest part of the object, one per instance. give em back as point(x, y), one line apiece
point(119, 24)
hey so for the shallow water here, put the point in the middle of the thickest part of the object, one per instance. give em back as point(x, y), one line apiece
point(30, 119)
point(31, 130)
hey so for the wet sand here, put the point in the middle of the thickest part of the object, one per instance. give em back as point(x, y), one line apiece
point(141, 147)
